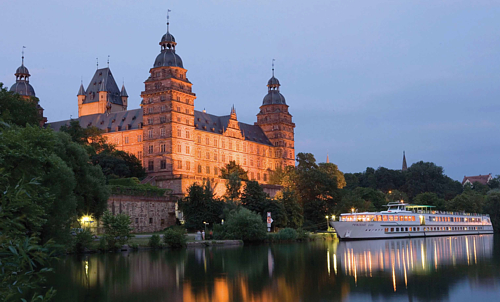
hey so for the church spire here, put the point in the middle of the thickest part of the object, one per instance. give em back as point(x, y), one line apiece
point(405, 167)
point(327, 159)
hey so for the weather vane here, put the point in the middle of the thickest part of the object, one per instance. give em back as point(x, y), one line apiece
point(168, 19)
point(97, 60)
point(23, 55)
point(273, 66)
point(108, 61)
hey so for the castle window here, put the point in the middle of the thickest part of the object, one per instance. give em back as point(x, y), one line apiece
point(126, 139)
point(150, 110)
point(265, 177)
point(179, 148)
point(223, 144)
point(162, 148)
point(198, 153)
point(151, 165)
point(150, 121)
point(208, 170)
point(230, 145)
point(187, 110)
point(252, 176)
point(178, 109)
point(139, 155)
point(244, 161)
point(223, 158)
point(187, 134)
point(237, 146)
point(179, 164)
point(258, 176)
point(188, 165)
point(150, 149)
point(230, 158)
point(215, 156)
point(244, 147)
point(207, 140)
point(187, 121)
point(216, 171)
point(179, 132)
point(187, 150)
point(251, 162)
point(215, 142)
point(163, 119)
point(163, 164)
point(208, 155)
point(150, 133)
point(163, 108)
point(199, 168)
point(198, 139)
point(162, 132)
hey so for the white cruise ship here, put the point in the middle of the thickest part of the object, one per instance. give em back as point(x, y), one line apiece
point(405, 220)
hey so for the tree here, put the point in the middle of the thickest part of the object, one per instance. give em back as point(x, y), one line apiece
point(389, 180)
point(231, 168)
point(113, 162)
point(494, 183)
point(333, 171)
point(233, 186)
point(492, 207)
point(395, 195)
point(117, 229)
point(469, 201)
point(17, 110)
point(256, 200)
point(424, 177)
point(292, 208)
point(430, 199)
point(200, 206)
point(58, 165)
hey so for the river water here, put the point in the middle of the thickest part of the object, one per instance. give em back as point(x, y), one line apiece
point(457, 268)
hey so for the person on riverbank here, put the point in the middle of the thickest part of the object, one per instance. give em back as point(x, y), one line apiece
point(198, 236)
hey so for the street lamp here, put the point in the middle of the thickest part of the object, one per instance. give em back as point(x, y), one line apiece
point(327, 226)
point(205, 223)
point(333, 217)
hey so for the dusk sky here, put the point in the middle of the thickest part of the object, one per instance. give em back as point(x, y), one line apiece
point(364, 80)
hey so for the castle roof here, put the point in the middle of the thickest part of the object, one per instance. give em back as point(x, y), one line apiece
point(103, 80)
point(112, 122)
point(23, 88)
point(218, 124)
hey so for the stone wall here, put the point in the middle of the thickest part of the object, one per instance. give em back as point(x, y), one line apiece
point(148, 214)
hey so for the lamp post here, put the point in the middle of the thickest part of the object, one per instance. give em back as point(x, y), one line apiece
point(327, 225)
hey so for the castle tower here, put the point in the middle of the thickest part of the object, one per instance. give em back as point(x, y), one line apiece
point(168, 115)
point(276, 122)
point(23, 87)
point(102, 95)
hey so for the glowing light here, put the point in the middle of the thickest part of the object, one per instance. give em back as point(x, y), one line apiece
point(328, 261)
point(352, 210)
point(335, 263)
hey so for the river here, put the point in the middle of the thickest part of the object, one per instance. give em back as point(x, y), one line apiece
point(457, 268)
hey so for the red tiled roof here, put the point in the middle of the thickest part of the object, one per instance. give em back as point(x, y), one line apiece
point(484, 179)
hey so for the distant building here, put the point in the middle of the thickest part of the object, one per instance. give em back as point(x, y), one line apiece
point(483, 179)
point(177, 144)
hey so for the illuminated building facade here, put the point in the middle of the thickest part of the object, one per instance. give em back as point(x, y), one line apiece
point(177, 144)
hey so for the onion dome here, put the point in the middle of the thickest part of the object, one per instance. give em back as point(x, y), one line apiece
point(23, 88)
point(22, 85)
point(167, 56)
point(273, 97)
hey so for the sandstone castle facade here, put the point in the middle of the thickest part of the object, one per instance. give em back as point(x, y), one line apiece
point(177, 144)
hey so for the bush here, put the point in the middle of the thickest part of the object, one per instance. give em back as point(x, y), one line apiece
point(175, 238)
point(287, 234)
point(155, 241)
point(83, 240)
point(102, 244)
point(219, 232)
point(302, 235)
point(116, 229)
point(245, 225)
point(134, 246)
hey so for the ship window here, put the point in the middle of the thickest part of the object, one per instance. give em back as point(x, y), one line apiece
point(410, 229)
point(401, 218)
point(392, 229)
point(379, 217)
point(412, 218)
point(397, 229)
point(396, 218)
point(385, 217)
point(406, 229)
point(391, 218)
point(386, 229)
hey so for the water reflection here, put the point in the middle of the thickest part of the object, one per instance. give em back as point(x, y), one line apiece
point(420, 268)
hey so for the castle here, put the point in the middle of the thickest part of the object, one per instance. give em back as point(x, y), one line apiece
point(177, 144)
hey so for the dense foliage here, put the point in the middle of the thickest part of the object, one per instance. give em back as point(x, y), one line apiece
point(114, 163)
point(242, 224)
point(17, 110)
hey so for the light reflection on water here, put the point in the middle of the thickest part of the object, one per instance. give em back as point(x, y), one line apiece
point(400, 269)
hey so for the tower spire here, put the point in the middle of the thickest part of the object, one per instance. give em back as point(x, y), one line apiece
point(22, 57)
point(273, 67)
point(168, 19)
point(405, 167)
point(108, 61)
